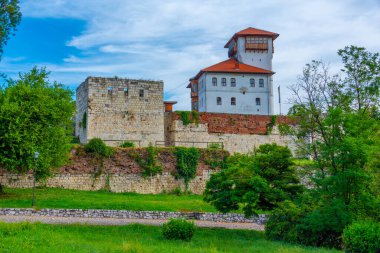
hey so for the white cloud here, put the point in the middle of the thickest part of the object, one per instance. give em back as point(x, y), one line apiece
point(172, 40)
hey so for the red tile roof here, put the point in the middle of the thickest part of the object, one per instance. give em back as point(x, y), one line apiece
point(250, 31)
point(233, 66)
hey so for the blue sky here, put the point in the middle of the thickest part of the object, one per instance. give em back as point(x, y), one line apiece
point(172, 40)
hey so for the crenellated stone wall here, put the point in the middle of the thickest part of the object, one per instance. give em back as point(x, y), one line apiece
point(120, 109)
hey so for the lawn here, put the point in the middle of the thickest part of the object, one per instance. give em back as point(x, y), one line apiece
point(62, 198)
point(26, 237)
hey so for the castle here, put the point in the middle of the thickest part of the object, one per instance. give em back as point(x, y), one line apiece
point(117, 110)
point(241, 84)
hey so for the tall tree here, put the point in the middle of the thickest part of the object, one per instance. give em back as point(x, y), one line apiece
point(35, 116)
point(362, 80)
point(10, 17)
point(339, 130)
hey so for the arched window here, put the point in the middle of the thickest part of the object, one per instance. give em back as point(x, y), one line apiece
point(219, 101)
point(258, 101)
point(233, 82)
point(224, 81)
point(214, 81)
point(252, 82)
point(233, 101)
point(261, 82)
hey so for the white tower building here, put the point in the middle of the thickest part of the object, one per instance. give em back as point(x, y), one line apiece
point(242, 84)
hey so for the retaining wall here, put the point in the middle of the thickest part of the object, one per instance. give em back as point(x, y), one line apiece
point(124, 214)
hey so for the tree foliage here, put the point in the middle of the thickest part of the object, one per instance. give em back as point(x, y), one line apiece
point(339, 129)
point(253, 182)
point(10, 17)
point(35, 116)
point(187, 163)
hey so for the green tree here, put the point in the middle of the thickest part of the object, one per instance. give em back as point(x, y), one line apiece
point(10, 17)
point(254, 182)
point(362, 77)
point(340, 130)
point(274, 164)
point(35, 116)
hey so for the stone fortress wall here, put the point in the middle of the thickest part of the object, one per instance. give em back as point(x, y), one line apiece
point(120, 109)
point(116, 110)
point(237, 133)
point(164, 182)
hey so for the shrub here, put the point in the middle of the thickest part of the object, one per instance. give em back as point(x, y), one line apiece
point(176, 191)
point(187, 163)
point(178, 229)
point(362, 237)
point(309, 224)
point(149, 164)
point(97, 146)
point(214, 145)
point(127, 144)
point(281, 225)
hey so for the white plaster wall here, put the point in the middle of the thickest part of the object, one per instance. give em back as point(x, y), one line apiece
point(245, 103)
point(257, 59)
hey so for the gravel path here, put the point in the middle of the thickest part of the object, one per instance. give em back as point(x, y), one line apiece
point(120, 222)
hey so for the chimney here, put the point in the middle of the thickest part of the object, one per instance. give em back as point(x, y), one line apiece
point(169, 105)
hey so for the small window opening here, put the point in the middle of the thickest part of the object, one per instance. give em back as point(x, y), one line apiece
point(233, 101)
point(214, 81)
point(261, 82)
point(233, 82)
point(224, 81)
point(258, 102)
point(219, 101)
point(252, 82)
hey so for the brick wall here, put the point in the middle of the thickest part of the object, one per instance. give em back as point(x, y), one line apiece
point(236, 123)
point(238, 133)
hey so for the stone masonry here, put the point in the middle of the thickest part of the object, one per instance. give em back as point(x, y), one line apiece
point(124, 214)
point(164, 182)
point(116, 109)
point(238, 133)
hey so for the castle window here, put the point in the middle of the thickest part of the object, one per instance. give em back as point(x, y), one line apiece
point(224, 81)
point(219, 101)
point(261, 82)
point(195, 87)
point(141, 93)
point(256, 43)
point(252, 82)
point(233, 101)
point(109, 89)
point(233, 82)
point(258, 101)
point(214, 81)
point(126, 91)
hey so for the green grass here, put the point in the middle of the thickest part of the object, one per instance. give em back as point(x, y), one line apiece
point(73, 199)
point(26, 237)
